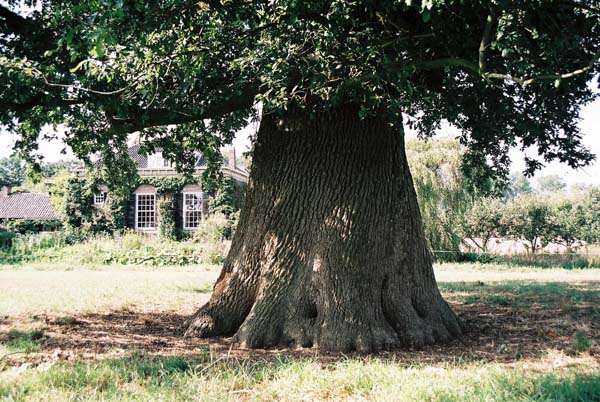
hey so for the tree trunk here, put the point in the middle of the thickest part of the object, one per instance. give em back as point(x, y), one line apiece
point(329, 250)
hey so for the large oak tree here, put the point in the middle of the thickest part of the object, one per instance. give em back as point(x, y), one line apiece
point(329, 251)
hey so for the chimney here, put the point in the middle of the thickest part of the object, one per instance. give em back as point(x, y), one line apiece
point(231, 158)
point(5, 191)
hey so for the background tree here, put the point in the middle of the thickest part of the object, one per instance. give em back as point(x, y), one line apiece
point(569, 222)
point(529, 218)
point(12, 172)
point(552, 183)
point(517, 185)
point(590, 232)
point(50, 170)
point(444, 192)
point(484, 220)
point(330, 249)
point(47, 176)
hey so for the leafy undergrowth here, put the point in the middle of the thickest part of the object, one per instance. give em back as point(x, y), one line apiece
point(131, 249)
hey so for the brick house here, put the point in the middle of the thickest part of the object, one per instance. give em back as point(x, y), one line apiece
point(190, 203)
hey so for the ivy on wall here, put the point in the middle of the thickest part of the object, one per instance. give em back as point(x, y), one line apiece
point(166, 219)
point(169, 184)
point(229, 198)
point(74, 202)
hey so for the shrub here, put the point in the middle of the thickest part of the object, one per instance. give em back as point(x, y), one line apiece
point(132, 241)
point(6, 239)
point(74, 235)
point(214, 229)
point(25, 226)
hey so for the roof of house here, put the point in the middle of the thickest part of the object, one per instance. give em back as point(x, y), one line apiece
point(139, 159)
point(142, 160)
point(27, 206)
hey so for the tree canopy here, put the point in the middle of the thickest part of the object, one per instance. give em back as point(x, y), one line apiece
point(444, 192)
point(187, 74)
point(12, 172)
point(552, 183)
point(517, 185)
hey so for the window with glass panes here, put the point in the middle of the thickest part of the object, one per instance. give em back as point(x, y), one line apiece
point(99, 198)
point(145, 215)
point(192, 210)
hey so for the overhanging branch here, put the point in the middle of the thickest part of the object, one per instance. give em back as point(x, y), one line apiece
point(547, 77)
point(163, 117)
point(11, 22)
point(475, 69)
point(39, 99)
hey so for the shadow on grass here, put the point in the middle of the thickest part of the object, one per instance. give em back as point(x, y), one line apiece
point(524, 319)
point(523, 291)
point(508, 321)
point(22, 341)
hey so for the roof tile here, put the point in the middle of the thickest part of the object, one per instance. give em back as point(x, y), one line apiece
point(27, 206)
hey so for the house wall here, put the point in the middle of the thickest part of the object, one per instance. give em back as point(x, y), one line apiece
point(178, 200)
point(178, 203)
point(131, 207)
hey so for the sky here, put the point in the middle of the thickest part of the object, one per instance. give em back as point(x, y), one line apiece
point(589, 124)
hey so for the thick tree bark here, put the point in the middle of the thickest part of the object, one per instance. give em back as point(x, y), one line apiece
point(329, 250)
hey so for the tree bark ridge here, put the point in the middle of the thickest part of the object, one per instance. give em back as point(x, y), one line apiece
point(330, 250)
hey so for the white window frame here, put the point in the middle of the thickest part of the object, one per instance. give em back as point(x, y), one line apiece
point(100, 199)
point(137, 210)
point(199, 194)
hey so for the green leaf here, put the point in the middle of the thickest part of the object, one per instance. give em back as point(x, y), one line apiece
point(100, 45)
point(426, 15)
point(78, 66)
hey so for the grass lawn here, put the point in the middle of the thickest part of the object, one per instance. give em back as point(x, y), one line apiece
point(112, 333)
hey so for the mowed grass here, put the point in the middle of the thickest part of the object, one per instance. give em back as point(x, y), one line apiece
point(37, 289)
point(112, 334)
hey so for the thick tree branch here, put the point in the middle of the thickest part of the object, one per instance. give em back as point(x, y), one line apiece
point(485, 41)
point(11, 22)
point(39, 99)
point(448, 62)
point(164, 117)
point(40, 38)
point(475, 69)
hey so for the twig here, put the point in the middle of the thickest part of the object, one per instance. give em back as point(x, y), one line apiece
point(9, 354)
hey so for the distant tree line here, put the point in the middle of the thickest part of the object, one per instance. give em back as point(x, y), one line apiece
point(456, 208)
point(459, 211)
point(16, 173)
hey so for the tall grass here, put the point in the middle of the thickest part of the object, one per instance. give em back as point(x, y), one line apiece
point(128, 249)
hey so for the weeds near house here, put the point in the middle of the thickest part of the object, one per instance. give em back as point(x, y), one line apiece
point(130, 249)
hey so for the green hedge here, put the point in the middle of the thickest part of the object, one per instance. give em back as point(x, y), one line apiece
point(28, 226)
